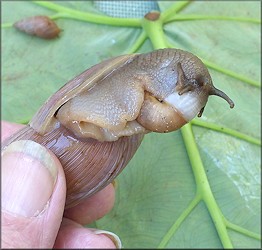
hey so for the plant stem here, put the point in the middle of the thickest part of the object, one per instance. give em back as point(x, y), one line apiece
point(225, 130)
point(154, 31)
point(242, 230)
point(65, 12)
point(6, 25)
point(206, 17)
point(24, 121)
point(179, 221)
point(203, 187)
point(175, 8)
point(231, 73)
point(139, 41)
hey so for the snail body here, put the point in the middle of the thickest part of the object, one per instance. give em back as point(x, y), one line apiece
point(41, 26)
point(95, 123)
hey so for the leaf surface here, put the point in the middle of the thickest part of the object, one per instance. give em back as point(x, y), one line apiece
point(160, 202)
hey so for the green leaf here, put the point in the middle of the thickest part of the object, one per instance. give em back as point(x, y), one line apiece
point(195, 188)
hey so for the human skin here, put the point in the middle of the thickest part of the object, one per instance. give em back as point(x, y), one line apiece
point(54, 226)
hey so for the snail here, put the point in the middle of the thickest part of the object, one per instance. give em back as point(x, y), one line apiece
point(95, 123)
point(41, 26)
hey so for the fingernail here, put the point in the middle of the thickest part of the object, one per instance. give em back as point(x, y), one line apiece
point(29, 174)
point(110, 235)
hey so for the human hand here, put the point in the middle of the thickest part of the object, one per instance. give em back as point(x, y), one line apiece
point(33, 199)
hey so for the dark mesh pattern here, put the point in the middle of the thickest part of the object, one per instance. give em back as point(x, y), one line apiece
point(128, 9)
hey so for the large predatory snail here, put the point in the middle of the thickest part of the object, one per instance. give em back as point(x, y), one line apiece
point(95, 123)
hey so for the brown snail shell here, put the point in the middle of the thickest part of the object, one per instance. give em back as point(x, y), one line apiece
point(95, 123)
point(41, 26)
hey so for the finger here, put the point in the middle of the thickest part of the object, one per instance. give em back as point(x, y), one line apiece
point(9, 128)
point(33, 196)
point(90, 209)
point(73, 235)
point(93, 207)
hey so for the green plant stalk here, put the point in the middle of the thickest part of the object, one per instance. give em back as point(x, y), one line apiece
point(175, 8)
point(89, 17)
point(154, 31)
point(203, 187)
point(24, 121)
point(242, 230)
point(231, 73)
point(60, 15)
point(206, 17)
point(6, 25)
point(225, 130)
point(138, 43)
point(179, 221)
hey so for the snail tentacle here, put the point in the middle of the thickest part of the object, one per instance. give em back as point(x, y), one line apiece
point(217, 92)
point(182, 85)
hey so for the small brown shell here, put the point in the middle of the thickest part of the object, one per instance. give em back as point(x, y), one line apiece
point(41, 26)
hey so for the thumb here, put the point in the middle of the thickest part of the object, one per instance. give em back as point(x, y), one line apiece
point(33, 196)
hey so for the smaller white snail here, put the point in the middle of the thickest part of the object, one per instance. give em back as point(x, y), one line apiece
point(41, 26)
point(96, 122)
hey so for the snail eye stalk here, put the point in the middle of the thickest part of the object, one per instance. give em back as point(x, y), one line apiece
point(217, 92)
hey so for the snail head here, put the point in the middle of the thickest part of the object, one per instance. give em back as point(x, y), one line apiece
point(185, 85)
